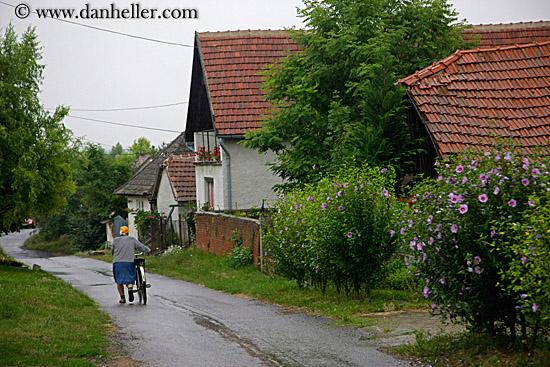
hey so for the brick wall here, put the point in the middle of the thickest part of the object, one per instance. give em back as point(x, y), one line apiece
point(215, 230)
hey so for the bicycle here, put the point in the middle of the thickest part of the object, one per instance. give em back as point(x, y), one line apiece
point(141, 281)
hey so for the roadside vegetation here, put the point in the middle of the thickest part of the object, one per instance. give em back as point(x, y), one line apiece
point(45, 322)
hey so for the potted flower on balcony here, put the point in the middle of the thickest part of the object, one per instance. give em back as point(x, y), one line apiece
point(205, 155)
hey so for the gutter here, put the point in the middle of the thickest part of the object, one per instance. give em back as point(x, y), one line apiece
point(228, 167)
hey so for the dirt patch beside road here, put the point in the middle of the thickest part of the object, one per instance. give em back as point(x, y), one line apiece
point(399, 327)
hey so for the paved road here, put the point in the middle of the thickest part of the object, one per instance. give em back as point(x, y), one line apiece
point(184, 324)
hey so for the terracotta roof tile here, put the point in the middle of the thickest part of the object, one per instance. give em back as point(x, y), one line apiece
point(181, 169)
point(495, 35)
point(233, 62)
point(486, 92)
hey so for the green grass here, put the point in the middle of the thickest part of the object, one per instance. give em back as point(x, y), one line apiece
point(470, 350)
point(61, 246)
point(45, 322)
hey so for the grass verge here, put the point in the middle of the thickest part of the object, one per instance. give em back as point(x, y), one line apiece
point(61, 246)
point(45, 322)
point(469, 350)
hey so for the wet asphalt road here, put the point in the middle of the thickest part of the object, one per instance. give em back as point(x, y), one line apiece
point(184, 324)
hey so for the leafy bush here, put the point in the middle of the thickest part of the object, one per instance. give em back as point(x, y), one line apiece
point(458, 235)
point(527, 277)
point(336, 231)
point(240, 255)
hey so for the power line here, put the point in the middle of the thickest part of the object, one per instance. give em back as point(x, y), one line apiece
point(110, 30)
point(122, 109)
point(121, 124)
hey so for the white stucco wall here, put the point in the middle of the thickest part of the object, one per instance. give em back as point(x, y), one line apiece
point(214, 171)
point(166, 195)
point(251, 179)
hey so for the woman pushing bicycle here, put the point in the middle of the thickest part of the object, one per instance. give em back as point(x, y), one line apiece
point(124, 269)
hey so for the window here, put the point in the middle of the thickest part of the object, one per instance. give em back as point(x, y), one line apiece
point(209, 186)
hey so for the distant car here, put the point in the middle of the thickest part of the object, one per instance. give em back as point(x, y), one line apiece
point(29, 223)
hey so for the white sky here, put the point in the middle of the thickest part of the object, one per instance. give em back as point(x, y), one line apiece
point(92, 69)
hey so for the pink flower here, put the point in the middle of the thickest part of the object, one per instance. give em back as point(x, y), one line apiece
point(535, 172)
point(464, 180)
point(463, 208)
point(350, 234)
point(478, 270)
point(483, 198)
point(392, 233)
point(531, 203)
point(477, 259)
point(386, 193)
point(535, 307)
point(525, 182)
point(340, 208)
point(420, 246)
point(454, 228)
point(512, 203)
point(459, 169)
point(523, 259)
point(324, 206)
point(426, 292)
point(497, 190)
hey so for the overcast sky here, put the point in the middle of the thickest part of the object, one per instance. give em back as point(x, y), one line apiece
point(94, 69)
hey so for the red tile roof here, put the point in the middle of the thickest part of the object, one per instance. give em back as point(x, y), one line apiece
point(471, 96)
point(181, 169)
point(495, 35)
point(232, 62)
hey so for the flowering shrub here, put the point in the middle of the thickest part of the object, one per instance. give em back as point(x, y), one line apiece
point(8, 261)
point(336, 231)
point(459, 239)
point(528, 276)
point(142, 219)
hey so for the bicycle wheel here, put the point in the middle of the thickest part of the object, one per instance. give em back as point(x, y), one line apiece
point(139, 285)
point(144, 288)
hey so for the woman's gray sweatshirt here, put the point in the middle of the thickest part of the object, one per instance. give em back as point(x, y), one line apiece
point(124, 248)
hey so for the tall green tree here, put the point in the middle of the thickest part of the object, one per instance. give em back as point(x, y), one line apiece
point(36, 150)
point(337, 98)
point(142, 146)
point(96, 177)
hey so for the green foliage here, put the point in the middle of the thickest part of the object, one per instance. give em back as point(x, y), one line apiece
point(529, 251)
point(460, 237)
point(96, 177)
point(337, 97)
point(336, 231)
point(240, 255)
point(36, 150)
point(143, 218)
point(142, 146)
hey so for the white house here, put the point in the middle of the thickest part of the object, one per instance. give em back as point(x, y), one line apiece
point(140, 188)
point(225, 102)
